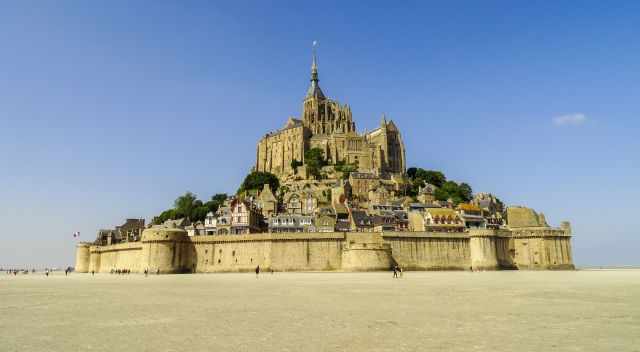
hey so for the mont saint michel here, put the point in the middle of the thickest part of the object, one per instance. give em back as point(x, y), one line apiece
point(297, 176)
point(323, 196)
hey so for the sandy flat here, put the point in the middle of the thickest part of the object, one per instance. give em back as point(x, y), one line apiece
point(595, 310)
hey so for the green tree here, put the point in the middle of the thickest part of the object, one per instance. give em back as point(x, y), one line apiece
point(295, 163)
point(411, 172)
point(465, 192)
point(188, 206)
point(435, 178)
point(457, 192)
point(419, 177)
point(314, 159)
point(345, 168)
point(185, 204)
point(168, 214)
point(256, 180)
point(199, 213)
point(216, 202)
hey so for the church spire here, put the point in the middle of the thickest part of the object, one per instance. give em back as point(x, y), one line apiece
point(314, 63)
point(314, 90)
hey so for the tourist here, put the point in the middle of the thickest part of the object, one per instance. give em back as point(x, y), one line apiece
point(257, 271)
point(395, 271)
point(158, 272)
point(400, 272)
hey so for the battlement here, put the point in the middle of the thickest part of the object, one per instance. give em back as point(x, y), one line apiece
point(169, 250)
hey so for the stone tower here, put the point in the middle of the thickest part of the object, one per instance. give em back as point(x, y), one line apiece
point(323, 116)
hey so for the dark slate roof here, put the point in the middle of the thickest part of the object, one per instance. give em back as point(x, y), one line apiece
point(361, 219)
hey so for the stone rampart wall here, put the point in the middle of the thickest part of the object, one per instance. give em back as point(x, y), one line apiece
point(430, 250)
point(117, 256)
point(536, 248)
point(527, 248)
point(280, 252)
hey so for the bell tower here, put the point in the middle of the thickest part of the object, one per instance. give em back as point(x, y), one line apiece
point(320, 115)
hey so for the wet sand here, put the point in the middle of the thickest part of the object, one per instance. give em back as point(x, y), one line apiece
point(594, 310)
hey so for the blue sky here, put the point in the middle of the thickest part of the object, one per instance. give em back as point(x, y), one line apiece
point(111, 110)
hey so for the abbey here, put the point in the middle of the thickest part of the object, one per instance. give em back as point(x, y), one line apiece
point(328, 125)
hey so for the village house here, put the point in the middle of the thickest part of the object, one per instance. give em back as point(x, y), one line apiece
point(291, 223)
point(245, 217)
point(471, 215)
point(360, 221)
point(195, 229)
point(436, 220)
point(325, 220)
point(223, 222)
point(210, 224)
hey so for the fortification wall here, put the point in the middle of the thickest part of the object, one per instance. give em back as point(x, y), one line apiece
point(118, 256)
point(483, 250)
point(171, 251)
point(490, 249)
point(430, 250)
point(505, 251)
point(94, 259)
point(541, 248)
point(280, 252)
point(366, 252)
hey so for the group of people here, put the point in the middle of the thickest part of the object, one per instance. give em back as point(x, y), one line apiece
point(15, 272)
point(397, 272)
point(121, 271)
point(146, 272)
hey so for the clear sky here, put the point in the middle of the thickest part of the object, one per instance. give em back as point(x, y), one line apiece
point(111, 110)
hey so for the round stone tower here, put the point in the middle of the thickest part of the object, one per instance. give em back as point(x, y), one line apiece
point(482, 245)
point(162, 250)
point(82, 257)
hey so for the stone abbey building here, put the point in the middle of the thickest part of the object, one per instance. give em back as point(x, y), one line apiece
point(328, 125)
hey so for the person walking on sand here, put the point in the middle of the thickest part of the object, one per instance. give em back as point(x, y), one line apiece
point(400, 271)
point(257, 271)
point(395, 271)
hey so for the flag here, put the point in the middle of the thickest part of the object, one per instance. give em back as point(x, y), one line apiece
point(76, 234)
